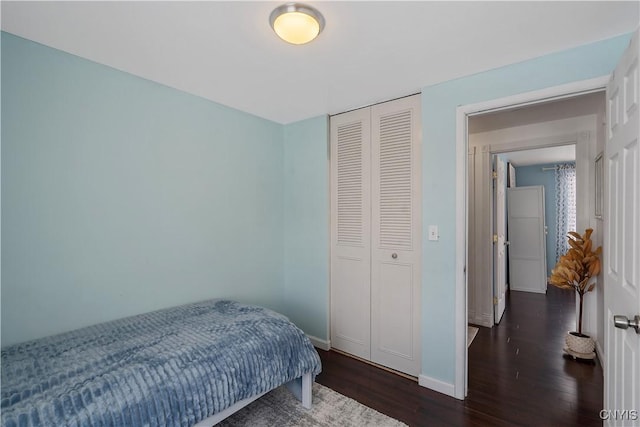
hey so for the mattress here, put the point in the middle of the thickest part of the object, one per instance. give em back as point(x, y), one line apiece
point(172, 367)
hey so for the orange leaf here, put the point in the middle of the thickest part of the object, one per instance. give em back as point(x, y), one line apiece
point(587, 233)
point(575, 235)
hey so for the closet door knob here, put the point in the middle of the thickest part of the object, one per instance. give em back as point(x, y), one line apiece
point(394, 255)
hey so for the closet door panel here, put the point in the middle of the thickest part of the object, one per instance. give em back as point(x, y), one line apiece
point(394, 320)
point(350, 232)
point(395, 234)
point(351, 325)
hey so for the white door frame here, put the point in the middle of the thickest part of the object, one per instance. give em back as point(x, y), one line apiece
point(462, 114)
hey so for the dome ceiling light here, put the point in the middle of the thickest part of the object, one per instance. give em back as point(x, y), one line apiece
point(296, 23)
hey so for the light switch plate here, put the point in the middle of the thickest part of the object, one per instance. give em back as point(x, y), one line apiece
point(433, 232)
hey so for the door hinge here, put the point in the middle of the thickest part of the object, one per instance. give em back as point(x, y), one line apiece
point(494, 175)
point(495, 300)
point(495, 238)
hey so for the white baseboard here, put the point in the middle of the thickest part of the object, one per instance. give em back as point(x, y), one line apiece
point(321, 344)
point(436, 385)
point(532, 290)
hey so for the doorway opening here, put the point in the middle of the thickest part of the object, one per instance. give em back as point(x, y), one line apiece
point(533, 207)
point(553, 118)
point(513, 234)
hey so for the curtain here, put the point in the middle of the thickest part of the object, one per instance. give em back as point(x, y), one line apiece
point(565, 205)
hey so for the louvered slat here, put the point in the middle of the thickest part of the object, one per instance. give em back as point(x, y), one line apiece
point(349, 174)
point(395, 180)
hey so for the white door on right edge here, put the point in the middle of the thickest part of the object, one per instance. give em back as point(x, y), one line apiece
point(527, 242)
point(621, 265)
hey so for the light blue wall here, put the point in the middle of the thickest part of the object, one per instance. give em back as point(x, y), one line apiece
point(534, 175)
point(306, 222)
point(439, 103)
point(121, 196)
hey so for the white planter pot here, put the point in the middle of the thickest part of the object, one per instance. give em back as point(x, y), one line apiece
point(580, 343)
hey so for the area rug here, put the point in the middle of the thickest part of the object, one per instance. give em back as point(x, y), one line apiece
point(280, 408)
point(471, 334)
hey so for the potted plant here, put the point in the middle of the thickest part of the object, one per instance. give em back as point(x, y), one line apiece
point(576, 270)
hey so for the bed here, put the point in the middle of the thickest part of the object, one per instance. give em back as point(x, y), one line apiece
point(184, 366)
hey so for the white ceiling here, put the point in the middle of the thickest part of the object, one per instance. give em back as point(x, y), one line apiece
point(368, 52)
point(541, 156)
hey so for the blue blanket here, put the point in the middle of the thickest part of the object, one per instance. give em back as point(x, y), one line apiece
point(172, 367)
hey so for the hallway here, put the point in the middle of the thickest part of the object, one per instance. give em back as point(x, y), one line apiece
point(517, 375)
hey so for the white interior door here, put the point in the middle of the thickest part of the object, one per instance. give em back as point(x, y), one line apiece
point(350, 233)
point(396, 232)
point(622, 241)
point(500, 269)
point(527, 257)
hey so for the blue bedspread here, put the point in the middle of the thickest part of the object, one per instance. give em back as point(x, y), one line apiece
point(172, 367)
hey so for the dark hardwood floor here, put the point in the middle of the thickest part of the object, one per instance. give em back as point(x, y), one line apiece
point(517, 375)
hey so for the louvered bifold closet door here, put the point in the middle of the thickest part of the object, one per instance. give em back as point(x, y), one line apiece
point(396, 231)
point(350, 232)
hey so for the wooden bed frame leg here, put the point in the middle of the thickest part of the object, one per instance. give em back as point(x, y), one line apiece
point(302, 389)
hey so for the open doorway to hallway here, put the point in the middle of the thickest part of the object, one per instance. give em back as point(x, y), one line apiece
point(538, 140)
